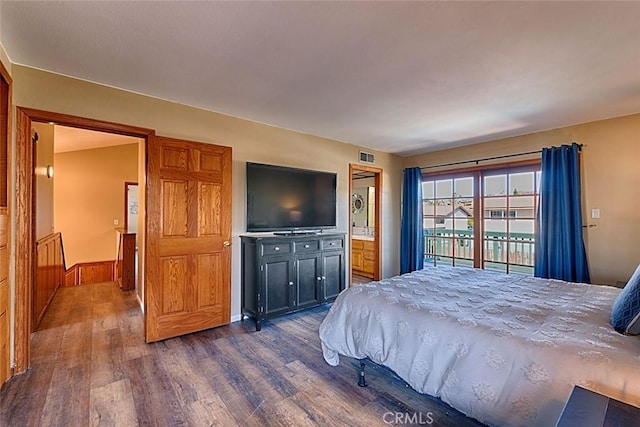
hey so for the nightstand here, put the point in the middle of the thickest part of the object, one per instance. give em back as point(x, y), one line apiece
point(586, 408)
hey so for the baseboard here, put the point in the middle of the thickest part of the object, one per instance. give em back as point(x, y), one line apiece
point(236, 318)
point(140, 303)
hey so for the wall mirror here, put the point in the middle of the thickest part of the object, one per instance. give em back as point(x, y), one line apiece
point(357, 203)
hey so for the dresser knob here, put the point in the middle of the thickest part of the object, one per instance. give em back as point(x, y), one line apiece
point(290, 283)
point(306, 246)
point(319, 278)
point(277, 248)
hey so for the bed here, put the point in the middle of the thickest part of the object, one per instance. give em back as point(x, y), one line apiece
point(503, 349)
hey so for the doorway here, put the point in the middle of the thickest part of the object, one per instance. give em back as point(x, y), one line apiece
point(25, 200)
point(131, 207)
point(365, 201)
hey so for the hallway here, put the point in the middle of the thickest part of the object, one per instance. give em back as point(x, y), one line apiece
point(77, 357)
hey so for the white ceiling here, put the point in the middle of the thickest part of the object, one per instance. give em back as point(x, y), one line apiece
point(74, 139)
point(401, 77)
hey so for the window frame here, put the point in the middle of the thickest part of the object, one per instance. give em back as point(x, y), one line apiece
point(478, 173)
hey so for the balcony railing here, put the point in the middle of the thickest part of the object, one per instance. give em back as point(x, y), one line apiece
point(514, 248)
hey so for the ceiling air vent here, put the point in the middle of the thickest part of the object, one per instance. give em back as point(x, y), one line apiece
point(367, 157)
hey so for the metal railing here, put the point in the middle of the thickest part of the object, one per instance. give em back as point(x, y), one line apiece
point(498, 246)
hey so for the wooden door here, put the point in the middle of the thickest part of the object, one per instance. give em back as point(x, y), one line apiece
point(188, 270)
point(4, 298)
point(5, 228)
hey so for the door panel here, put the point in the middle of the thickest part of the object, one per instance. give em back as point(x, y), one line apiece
point(174, 284)
point(210, 271)
point(188, 285)
point(210, 197)
point(174, 214)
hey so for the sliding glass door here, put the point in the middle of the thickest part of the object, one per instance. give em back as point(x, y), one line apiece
point(510, 202)
point(448, 206)
point(482, 218)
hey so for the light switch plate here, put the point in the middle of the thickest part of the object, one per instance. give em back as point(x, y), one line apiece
point(595, 213)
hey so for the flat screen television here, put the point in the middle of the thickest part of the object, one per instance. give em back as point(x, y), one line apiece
point(289, 200)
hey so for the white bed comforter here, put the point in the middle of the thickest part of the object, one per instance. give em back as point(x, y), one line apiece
point(503, 349)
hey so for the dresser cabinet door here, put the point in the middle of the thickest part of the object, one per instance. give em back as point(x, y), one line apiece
point(309, 280)
point(279, 285)
point(333, 274)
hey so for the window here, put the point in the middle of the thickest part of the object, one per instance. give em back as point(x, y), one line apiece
point(502, 214)
point(483, 218)
point(448, 206)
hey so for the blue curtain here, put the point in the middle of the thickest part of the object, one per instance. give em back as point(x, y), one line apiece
point(559, 247)
point(411, 237)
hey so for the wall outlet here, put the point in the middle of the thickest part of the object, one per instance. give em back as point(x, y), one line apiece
point(116, 222)
point(595, 213)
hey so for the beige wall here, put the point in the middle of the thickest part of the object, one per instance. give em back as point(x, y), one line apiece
point(89, 196)
point(611, 182)
point(44, 186)
point(250, 141)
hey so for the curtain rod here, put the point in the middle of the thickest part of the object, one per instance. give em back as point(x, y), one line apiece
point(477, 161)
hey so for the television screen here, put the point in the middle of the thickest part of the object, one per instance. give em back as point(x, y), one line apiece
point(287, 199)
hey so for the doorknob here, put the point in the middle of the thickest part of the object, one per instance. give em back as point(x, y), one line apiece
point(226, 243)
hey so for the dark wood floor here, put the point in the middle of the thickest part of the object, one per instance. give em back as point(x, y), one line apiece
point(359, 280)
point(92, 367)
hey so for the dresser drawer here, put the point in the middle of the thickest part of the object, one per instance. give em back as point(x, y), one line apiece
point(277, 248)
point(332, 244)
point(309, 246)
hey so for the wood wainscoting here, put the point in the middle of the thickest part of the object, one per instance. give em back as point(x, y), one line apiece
point(84, 273)
point(49, 274)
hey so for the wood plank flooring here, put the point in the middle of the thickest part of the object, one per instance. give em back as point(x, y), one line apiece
point(359, 280)
point(92, 367)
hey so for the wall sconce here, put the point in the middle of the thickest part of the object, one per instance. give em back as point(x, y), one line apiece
point(49, 171)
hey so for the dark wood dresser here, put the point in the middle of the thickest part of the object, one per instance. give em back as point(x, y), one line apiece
point(283, 274)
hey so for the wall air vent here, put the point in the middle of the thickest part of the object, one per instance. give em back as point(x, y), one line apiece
point(367, 157)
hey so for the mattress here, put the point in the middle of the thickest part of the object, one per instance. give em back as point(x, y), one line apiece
point(503, 349)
